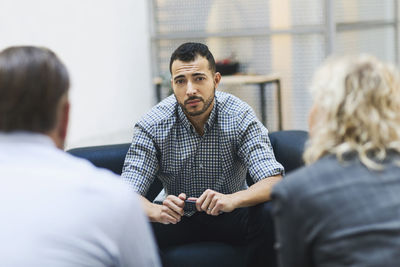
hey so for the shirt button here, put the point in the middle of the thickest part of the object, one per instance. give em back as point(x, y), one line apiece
point(201, 165)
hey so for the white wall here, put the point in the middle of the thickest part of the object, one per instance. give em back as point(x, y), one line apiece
point(105, 45)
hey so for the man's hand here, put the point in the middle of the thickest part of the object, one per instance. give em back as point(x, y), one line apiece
point(170, 211)
point(215, 203)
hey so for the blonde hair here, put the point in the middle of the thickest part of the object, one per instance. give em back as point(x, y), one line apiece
point(358, 105)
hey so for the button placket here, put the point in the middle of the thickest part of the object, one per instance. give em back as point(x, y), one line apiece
point(193, 162)
point(197, 164)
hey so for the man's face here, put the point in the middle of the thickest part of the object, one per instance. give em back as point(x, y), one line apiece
point(194, 85)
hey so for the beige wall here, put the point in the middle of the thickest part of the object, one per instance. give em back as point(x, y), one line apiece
point(105, 45)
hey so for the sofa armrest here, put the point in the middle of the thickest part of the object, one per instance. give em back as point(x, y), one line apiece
point(288, 148)
point(112, 157)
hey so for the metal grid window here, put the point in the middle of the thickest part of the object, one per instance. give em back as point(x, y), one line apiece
point(288, 37)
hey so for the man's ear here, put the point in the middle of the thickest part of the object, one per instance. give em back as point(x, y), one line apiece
point(59, 132)
point(217, 79)
point(64, 119)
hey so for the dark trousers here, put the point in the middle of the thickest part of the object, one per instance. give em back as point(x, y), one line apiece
point(252, 227)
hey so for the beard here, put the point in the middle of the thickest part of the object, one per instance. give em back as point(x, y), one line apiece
point(206, 104)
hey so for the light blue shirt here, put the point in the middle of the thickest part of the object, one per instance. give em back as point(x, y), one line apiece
point(57, 210)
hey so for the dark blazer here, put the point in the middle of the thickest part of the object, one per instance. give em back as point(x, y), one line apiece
point(335, 214)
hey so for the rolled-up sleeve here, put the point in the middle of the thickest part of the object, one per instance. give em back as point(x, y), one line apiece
point(141, 164)
point(255, 149)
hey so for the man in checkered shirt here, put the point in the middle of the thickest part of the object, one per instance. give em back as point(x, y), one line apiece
point(200, 144)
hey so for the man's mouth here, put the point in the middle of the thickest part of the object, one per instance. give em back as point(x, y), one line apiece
point(192, 102)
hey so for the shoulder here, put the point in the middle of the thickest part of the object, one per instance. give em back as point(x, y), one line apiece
point(308, 181)
point(81, 174)
point(97, 187)
point(233, 112)
point(163, 113)
point(230, 105)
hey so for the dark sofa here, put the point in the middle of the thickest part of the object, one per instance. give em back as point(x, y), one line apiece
point(288, 147)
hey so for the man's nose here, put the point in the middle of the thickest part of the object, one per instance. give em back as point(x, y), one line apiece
point(190, 90)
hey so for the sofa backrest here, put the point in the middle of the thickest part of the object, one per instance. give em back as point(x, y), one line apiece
point(288, 148)
point(112, 157)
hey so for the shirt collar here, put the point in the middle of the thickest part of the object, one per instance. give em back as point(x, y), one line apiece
point(210, 122)
point(25, 137)
point(213, 116)
point(183, 119)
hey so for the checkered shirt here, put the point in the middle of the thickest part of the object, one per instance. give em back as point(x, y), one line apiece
point(166, 146)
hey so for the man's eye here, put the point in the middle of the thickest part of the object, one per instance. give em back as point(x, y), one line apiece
point(200, 78)
point(179, 81)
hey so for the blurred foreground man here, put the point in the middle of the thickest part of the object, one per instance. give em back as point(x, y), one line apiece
point(343, 209)
point(57, 210)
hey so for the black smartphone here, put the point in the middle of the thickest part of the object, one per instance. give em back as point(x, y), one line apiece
point(190, 205)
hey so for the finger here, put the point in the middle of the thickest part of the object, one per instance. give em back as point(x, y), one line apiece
point(171, 203)
point(207, 202)
point(217, 210)
point(177, 200)
point(170, 215)
point(212, 206)
point(167, 219)
point(182, 196)
point(200, 200)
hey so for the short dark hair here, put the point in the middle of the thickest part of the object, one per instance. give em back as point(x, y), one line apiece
point(189, 51)
point(32, 82)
